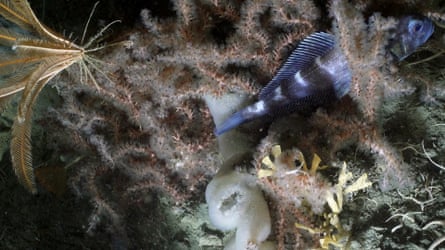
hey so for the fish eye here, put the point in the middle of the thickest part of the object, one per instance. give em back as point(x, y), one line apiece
point(415, 26)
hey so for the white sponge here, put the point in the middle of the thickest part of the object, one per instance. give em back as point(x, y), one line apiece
point(235, 201)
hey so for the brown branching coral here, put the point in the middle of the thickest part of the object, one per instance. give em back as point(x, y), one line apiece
point(280, 176)
point(358, 118)
point(134, 141)
point(375, 82)
point(238, 46)
point(148, 130)
point(371, 84)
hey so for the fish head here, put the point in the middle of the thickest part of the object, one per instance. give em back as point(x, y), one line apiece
point(417, 31)
point(411, 32)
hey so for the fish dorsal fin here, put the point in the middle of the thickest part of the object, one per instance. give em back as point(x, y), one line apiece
point(313, 46)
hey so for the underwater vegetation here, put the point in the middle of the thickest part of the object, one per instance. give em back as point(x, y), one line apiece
point(135, 153)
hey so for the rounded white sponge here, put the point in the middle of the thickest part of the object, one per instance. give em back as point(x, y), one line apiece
point(235, 201)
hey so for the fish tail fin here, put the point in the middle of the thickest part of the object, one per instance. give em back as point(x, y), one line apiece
point(232, 122)
point(249, 113)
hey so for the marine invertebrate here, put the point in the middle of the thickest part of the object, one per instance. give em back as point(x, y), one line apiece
point(33, 55)
point(371, 84)
point(149, 132)
point(310, 185)
point(236, 202)
point(356, 119)
point(332, 231)
point(295, 87)
point(439, 240)
point(282, 177)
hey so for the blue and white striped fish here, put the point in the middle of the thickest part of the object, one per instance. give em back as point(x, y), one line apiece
point(317, 74)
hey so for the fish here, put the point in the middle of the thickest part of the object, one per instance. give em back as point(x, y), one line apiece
point(410, 33)
point(317, 74)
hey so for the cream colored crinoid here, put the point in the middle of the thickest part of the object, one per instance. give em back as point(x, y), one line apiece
point(30, 56)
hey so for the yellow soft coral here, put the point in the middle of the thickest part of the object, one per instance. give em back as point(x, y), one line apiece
point(306, 183)
point(286, 160)
point(288, 174)
point(332, 230)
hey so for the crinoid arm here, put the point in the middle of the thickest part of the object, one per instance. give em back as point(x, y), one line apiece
point(20, 13)
point(21, 136)
point(21, 130)
point(30, 56)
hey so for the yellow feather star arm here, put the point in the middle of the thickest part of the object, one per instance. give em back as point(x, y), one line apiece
point(20, 13)
point(21, 132)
